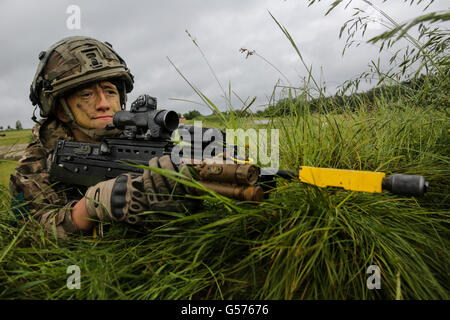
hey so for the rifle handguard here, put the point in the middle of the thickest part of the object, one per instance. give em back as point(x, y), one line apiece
point(238, 192)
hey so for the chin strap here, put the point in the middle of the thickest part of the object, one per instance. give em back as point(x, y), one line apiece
point(94, 134)
point(34, 116)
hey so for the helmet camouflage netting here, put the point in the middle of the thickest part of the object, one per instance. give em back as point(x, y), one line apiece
point(75, 61)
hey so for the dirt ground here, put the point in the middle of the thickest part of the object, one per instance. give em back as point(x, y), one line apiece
point(13, 152)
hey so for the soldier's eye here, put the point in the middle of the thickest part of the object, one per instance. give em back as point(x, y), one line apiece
point(111, 92)
point(85, 94)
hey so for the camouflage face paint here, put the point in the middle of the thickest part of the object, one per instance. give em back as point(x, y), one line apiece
point(94, 106)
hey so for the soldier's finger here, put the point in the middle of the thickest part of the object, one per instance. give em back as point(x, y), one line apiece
point(186, 171)
point(150, 185)
point(174, 186)
point(160, 183)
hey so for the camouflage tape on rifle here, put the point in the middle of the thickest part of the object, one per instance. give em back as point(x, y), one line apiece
point(228, 173)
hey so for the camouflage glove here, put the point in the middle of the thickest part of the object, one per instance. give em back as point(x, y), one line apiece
point(118, 199)
point(164, 194)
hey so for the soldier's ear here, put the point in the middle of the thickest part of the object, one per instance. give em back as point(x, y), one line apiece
point(60, 114)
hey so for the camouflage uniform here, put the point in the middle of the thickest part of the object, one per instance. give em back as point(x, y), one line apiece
point(65, 67)
point(49, 204)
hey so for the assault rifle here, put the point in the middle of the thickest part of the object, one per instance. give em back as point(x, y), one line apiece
point(146, 133)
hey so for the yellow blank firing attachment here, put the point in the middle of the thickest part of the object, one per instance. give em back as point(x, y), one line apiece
point(365, 181)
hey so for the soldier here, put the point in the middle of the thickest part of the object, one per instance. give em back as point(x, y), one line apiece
point(79, 84)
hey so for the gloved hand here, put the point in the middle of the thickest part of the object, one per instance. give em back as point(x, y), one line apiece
point(118, 199)
point(122, 198)
point(165, 194)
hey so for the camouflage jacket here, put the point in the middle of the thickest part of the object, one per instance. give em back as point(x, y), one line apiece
point(33, 193)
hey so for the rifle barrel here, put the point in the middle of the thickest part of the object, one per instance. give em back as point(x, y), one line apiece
point(354, 180)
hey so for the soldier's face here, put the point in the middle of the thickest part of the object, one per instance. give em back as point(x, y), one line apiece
point(94, 106)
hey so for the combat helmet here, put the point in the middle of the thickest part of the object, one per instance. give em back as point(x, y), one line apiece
point(72, 62)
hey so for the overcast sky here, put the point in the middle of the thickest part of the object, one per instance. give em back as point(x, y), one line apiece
point(147, 33)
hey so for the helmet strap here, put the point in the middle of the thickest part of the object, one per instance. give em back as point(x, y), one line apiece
point(67, 110)
point(34, 116)
point(121, 87)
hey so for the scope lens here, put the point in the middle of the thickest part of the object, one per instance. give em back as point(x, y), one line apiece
point(168, 119)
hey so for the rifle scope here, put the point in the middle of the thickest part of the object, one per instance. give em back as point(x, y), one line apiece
point(144, 120)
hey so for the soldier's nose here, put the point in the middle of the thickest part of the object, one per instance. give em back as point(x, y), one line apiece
point(102, 103)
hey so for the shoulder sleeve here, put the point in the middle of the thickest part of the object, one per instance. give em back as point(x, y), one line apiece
point(31, 181)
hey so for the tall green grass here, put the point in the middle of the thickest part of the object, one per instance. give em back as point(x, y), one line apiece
point(302, 243)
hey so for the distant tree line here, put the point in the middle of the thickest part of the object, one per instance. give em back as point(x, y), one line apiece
point(423, 90)
point(192, 114)
point(18, 126)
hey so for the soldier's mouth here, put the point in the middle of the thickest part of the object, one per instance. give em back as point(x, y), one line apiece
point(103, 117)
